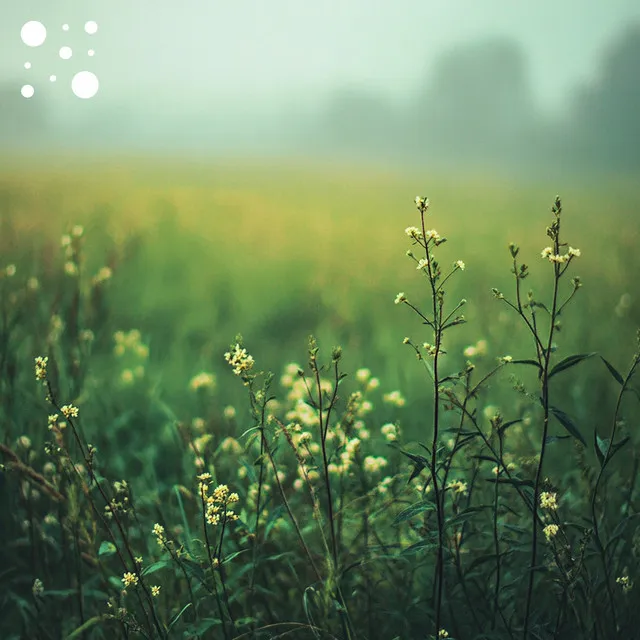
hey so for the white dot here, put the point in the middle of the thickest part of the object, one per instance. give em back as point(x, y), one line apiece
point(52, 78)
point(91, 27)
point(33, 33)
point(91, 53)
point(65, 53)
point(65, 27)
point(27, 91)
point(27, 65)
point(85, 84)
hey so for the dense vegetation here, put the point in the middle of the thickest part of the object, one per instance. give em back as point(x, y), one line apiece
point(463, 465)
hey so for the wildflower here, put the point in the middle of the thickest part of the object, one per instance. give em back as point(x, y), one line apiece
point(394, 398)
point(41, 367)
point(422, 263)
point(389, 431)
point(138, 560)
point(400, 298)
point(229, 412)
point(126, 377)
point(10, 270)
point(103, 275)
point(573, 253)
point(443, 633)
point(550, 531)
point(33, 284)
point(71, 268)
point(547, 252)
point(432, 234)
point(202, 381)
point(373, 465)
point(459, 265)
point(506, 359)
point(374, 383)
point(24, 442)
point(422, 203)
point(65, 241)
point(77, 231)
point(413, 232)
point(558, 259)
point(158, 532)
point(383, 487)
point(458, 486)
point(239, 359)
point(155, 590)
point(548, 501)
point(38, 588)
point(625, 582)
point(406, 340)
point(129, 579)
point(430, 349)
point(363, 375)
point(69, 411)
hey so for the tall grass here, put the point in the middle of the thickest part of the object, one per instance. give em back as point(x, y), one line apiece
point(317, 500)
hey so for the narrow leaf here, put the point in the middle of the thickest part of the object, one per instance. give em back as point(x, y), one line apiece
point(568, 424)
point(568, 362)
point(414, 510)
point(613, 371)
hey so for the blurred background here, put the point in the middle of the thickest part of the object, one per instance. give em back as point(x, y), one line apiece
point(551, 86)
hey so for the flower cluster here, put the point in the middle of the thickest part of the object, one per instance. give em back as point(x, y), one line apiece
point(41, 367)
point(217, 502)
point(548, 254)
point(202, 381)
point(239, 359)
point(548, 501)
point(550, 531)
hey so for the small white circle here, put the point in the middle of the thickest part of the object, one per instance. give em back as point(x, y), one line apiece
point(65, 53)
point(91, 27)
point(33, 33)
point(65, 27)
point(52, 78)
point(27, 91)
point(27, 65)
point(91, 53)
point(85, 84)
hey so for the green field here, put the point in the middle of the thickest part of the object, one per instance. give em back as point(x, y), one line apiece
point(200, 252)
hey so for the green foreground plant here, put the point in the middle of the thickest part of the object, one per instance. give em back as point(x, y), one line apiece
point(317, 515)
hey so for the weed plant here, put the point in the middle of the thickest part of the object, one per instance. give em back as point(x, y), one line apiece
point(319, 517)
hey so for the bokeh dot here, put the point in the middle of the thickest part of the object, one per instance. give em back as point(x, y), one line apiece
point(91, 27)
point(27, 91)
point(85, 84)
point(91, 53)
point(65, 27)
point(53, 78)
point(27, 65)
point(65, 53)
point(33, 33)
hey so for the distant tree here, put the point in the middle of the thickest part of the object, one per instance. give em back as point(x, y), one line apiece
point(607, 112)
point(478, 100)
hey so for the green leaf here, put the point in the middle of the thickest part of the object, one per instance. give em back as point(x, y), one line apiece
point(186, 606)
point(570, 361)
point(568, 424)
point(156, 566)
point(515, 482)
point(106, 549)
point(465, 515)
point(613, 371)
point(414, 510)
point(600, 446)
point(533, 363)
point(426, 544)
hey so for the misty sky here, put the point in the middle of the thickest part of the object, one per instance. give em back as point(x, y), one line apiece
point(270, 51)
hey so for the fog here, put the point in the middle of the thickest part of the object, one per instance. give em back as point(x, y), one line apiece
point(405, 80)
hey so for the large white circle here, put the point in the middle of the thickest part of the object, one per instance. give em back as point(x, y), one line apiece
point(65, 53)
point(91, 27)
point(85, 84)
point(33, 33)
point(52, 78)
point(27, 91)
point(27, 65)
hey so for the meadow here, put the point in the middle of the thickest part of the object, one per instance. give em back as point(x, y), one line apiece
point(155, 487)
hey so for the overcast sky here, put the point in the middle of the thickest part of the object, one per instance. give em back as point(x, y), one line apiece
point(269, 50)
